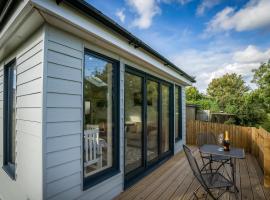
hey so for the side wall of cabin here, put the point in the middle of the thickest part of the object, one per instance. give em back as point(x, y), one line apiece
point(28, 138)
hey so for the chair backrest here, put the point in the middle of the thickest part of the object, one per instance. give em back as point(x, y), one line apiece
point(194, 165)
point(206, 138)
point(91, 146)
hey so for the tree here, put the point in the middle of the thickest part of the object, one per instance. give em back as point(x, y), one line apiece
point(193, 94)
point(250, 112)
point(262, 79)
point(228, 91)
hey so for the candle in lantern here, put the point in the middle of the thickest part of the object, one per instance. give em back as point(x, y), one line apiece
point(226, 135)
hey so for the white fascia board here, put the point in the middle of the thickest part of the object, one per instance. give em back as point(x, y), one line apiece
point(85, 23)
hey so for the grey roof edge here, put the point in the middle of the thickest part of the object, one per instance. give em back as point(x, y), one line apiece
point(89, 10)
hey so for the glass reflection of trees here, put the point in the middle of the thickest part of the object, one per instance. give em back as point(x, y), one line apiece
point(98, 113)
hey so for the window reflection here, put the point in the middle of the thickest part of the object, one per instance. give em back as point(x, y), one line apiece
point(176, 113)
point(152, 120)
point(133, 122)
point(97, 115)
point(165, 118)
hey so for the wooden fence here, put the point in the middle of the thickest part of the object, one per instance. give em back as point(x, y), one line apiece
point(253, 140)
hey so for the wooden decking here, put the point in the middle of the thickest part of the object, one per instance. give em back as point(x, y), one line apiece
point(174, 180)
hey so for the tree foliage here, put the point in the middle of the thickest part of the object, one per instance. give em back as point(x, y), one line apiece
point(227, 91)
point(262, 79)
point(230, 94)
point(193, 96)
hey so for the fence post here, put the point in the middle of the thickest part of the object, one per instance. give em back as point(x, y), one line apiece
point(266, 159)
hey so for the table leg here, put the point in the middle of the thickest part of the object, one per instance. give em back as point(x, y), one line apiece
point(211, 163)
point(233, 167)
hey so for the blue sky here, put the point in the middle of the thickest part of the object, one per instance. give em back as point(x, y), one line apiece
point(206, 38)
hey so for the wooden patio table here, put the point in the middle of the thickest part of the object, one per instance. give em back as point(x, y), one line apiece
point(232, 154)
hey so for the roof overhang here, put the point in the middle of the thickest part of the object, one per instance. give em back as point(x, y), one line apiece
point(19, 26)
point(74, 17)
point(91, 11)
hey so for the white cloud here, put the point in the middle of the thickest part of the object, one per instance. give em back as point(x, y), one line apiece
point(251, 54)
point(121, 15)
point(255, 14)
point(206, 65)
point(183, 2)
point(206, 5)
point(146, 10)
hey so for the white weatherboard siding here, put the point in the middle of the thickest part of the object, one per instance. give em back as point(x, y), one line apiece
point(28, 163)
point(64, 111)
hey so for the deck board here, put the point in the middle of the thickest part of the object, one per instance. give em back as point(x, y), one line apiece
point(174, 180)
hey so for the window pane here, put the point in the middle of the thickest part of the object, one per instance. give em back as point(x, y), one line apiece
point(133, 122)
point(165, 118)
point(152, 120)
point(176, 112)
point(13, 132)
point(98, 151)
point(10, 115)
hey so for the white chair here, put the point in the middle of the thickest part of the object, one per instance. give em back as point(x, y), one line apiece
point(93, 149)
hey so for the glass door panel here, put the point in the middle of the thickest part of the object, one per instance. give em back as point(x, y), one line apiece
point(152, 119)
point(133, 122)
point(165, 91)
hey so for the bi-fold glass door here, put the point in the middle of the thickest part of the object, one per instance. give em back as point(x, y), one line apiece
point(148, 122)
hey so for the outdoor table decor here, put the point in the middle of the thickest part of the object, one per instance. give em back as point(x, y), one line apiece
point(226, 142)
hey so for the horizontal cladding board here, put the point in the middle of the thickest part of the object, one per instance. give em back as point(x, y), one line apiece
point(63, 128)
point(64, 156)
point(55, 46)
point(61, 171)
point(63, 100)
point(109, 185)
point(63, 86)
point(63, 59)
point(65, 39)
point(30, 53)
point(35, 128)
point(63, 184)
point(30, 75)
point(30, 63)
point(31, 87)
point(69, 194)
point(62, 72)
point(28, 150)
point(116, 190)
point(31, 101)
point(63, 114)
point(63, 142)
point(30, 114)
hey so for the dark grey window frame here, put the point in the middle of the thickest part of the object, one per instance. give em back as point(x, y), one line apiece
point(135, 175)
point(8, 166)
point(179, 134)
point(115, 169)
